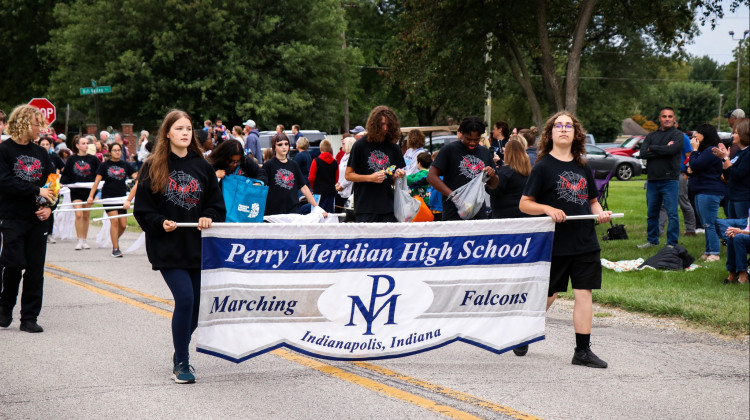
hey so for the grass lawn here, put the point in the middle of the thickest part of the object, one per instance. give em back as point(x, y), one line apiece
point(132, 224)
point(698, 297)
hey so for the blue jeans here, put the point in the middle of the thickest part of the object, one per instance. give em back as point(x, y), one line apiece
point(658, 193)
point(737, 247)
point(737, 209)
point(708, 208)
point(186, 290)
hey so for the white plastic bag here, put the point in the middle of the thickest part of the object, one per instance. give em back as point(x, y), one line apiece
point(405, 207)
point(469, 198)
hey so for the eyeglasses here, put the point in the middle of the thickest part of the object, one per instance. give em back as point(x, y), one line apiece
point(559, 127)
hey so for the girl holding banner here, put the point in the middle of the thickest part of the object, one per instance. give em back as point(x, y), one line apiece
point(80, 168)
point(114, 172)
point(177, 185)
point(562, 184)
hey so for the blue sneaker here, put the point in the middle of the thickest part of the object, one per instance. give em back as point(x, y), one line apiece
point(183, 373)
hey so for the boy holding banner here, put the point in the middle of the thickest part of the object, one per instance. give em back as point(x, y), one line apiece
point(561, 184)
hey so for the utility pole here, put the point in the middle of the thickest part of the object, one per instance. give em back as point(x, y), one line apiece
point(721, 98)
point(739, 62)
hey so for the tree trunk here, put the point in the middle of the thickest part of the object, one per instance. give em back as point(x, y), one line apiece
point(521, 74)
point(547, 63)
point(574, 55)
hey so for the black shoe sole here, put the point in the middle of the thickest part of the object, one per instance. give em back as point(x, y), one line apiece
point(36, 329)
point(521, 351)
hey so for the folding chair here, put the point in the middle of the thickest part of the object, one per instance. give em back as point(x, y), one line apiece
point(601, 179)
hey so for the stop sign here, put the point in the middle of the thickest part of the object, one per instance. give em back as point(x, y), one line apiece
point(44, 105)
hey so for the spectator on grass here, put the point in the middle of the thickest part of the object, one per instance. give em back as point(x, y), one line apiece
point(704, 171)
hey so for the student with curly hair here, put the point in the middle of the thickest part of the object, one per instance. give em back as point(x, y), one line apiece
point(560, 185)
point(370, 157)
point(24, 167)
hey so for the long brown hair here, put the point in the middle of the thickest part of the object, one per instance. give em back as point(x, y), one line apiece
point(516, 157)
point(158, 171)
point(578, 148)
point(375, 133)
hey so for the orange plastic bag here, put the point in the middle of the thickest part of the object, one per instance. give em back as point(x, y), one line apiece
point(424, 214)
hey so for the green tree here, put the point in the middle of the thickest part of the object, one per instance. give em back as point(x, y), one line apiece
point(274, 61)
point(24, 29)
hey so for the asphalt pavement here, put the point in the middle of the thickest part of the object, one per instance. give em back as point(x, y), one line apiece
point(106, 353)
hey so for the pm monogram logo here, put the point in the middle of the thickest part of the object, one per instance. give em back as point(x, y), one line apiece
point(369, 313)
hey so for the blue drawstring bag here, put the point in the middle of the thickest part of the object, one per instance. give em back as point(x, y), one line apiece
point(245, 202)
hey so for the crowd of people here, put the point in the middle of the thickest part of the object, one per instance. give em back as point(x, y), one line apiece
point(526, 172)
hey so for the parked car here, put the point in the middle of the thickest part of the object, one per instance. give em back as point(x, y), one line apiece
point(439, 141)
point(314, 136)
point(628, 147)
point(624, 167)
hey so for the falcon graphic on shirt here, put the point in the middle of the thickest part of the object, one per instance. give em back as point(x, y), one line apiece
point(116, 172)
point(28, 168)
point(183, 190)
point(470, 166)
point(572, 187)
point(378, 161)
point(82, 168)
point(284, 179)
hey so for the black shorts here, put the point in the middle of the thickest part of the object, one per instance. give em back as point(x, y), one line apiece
point(119, 211)
point(79, 194)
point(583, 270)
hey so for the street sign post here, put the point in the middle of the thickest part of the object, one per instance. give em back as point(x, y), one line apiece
point(95, 90)
point(47, 108)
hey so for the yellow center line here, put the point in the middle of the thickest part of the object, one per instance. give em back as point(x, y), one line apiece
point(374, 385)
point(114, 296)
point(317, 365)
point(438, 389)
point(115, 285)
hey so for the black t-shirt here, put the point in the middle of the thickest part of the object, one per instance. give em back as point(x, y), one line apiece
point(505, 198)
point(367, 158)
point(284, 180)
point(23, 170)
point(568, 187)
point(80, 169)
point(114, 175)
point(458, 165)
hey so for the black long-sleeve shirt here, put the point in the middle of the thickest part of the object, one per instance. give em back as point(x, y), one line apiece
point(663, 159)
point(192, 192)
point(23, 171)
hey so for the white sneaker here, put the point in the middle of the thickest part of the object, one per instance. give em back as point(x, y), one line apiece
point(79, 246)
point(85, 245)
point(700, 231)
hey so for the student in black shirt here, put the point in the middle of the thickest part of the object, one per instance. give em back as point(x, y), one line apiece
point(560, 185)
point(460, 162)
point(80, 168)
point(114, 171)
point(284, 180)
point(370, 157)
point(512, 178)
point(177, 185)
point(24, 168)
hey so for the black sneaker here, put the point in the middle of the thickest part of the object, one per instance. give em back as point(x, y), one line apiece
point(31, 327)
point(586, 357)
point(117, 253)
point(521, 351)
point(5, 319)
point(183, 373)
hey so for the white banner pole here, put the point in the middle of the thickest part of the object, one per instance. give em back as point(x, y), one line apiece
point(119, 216)
point(580, 217)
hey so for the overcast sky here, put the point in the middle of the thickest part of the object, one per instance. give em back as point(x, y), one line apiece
point(718, 44)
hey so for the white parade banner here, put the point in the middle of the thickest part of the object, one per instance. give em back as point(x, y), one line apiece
point(364, 291)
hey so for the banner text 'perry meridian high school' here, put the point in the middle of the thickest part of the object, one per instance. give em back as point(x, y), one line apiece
point(372, 291)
